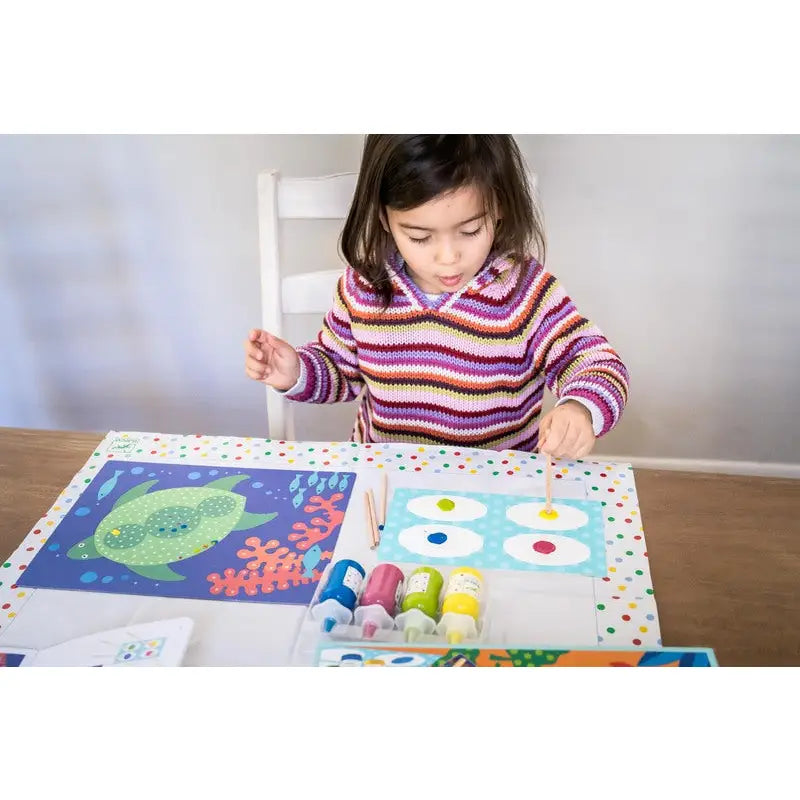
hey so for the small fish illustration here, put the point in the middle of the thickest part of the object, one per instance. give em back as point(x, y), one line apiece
point(343, 483)
point(295, 483)
point(298, 498)
point(312, 479)
point(332, 480)
point(310, 560)
point(109, 485)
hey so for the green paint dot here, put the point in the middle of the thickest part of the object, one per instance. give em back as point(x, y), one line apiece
point(402, 467)
point(224, 456)
point(610, 630)
point(594, 488)
point(139, 451)
point(495, 473)
point(224, 443)
point(639, 572)
point(490, 461)
point(354, 444)
point(620, 536)
point(442, 452)
point(601, 607)
point(183, 447)
point(587, 472)
point(87, 480)
point(268, 452)
point(539, 471)
point(447, 465)
point(310, 449)
point(649, 591)
point(445, 504)
point(312, 462)
point(611, 519)
point(7, 564)
point(355, 458)
point(398, 455)
point(629, 552)
point(97, 454)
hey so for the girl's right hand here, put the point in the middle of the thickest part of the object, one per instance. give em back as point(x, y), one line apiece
point(271, 360)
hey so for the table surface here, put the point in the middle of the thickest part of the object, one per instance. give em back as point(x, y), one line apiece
point(724, 550)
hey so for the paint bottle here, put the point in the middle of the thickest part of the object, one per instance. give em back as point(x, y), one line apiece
point(461, 606)
point(380, 599)
point(421, 603)
point(338, 599)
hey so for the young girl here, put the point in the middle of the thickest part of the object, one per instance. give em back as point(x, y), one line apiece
point(443, 318)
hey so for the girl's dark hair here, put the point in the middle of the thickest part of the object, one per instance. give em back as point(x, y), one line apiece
point(404, 172)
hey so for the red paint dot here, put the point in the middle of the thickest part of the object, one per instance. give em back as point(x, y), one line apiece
point(543, 546)
point(5, 606)
point(603, 475)
point(198, 435)
point(23, 566)
point(558, 475)
point(619, 505)
point(156, 439)
point(238, 458)
point(637, 641)
point(610, 490)
point(325, 463)
point(413, 457)
point(28, 549)
point(461, 466)
point(13, 585)
point(281, 455)
point(37, 531)
point(195, 448)
point(458, 453)
point(325, 449)
point(637, 538)
point(607, 580)
point(628, 520)
point(626, 617)
point(370, 458)
point(417, 469)
point(510, 472)
point(504, 462)
point(153, 452)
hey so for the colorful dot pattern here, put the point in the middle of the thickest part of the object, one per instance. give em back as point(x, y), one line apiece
point(625, 603)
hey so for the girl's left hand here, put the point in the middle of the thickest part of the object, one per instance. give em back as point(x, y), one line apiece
point(566, 431)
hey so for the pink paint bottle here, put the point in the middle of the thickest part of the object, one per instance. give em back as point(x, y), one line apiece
point(379, 600)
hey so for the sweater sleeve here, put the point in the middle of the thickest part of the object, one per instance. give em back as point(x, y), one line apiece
point(329, 370)
point(578, 362)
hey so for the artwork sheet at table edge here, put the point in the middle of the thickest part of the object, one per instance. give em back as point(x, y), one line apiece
point(625, 603)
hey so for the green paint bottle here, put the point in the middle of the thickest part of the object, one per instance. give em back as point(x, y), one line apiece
point(420, 605)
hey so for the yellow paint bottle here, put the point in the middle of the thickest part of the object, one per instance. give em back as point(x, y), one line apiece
point(461, 606)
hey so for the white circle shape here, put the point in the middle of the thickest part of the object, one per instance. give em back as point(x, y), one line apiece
point(529, 516)
point(567, 550)
point(459, 542)
point(464, 508)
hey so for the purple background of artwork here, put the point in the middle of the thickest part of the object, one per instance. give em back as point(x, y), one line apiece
point(51, 568)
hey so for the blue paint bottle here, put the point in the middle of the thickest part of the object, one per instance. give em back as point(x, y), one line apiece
point(338, 599)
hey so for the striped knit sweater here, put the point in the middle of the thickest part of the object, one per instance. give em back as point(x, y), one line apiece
point(467, 368)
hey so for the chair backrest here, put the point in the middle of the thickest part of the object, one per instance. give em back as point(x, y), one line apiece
point(325, 197)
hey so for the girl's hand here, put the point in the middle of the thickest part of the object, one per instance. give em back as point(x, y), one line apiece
point(566, 431)
point(271, 360)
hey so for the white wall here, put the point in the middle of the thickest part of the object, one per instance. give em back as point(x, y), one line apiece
point(686, 251)
point(129, 276)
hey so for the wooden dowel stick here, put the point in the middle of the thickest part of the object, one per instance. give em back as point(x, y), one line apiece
point(373, 518)
point(548, 485)
point(384, 492)
point(371, 530)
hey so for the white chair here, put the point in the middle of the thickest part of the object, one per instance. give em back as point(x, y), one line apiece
point(326, 197)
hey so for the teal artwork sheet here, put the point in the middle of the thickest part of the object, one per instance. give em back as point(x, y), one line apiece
point(494, 531)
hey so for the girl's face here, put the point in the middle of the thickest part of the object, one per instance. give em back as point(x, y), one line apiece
point(444, 242)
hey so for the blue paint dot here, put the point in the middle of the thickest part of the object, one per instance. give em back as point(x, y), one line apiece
point(214, 472)
point(137, 470)
point(107, 579)
point(650, 617)
point(124, 577)
point(88, 577)
point(55, 546)
point(193, 476)
point(257, 485)
point(82, 511)
point(402, 659)
point(437, 538)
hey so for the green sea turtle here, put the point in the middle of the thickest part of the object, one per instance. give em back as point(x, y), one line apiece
point(146, 532)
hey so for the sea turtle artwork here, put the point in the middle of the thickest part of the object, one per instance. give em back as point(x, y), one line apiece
point(147, 531)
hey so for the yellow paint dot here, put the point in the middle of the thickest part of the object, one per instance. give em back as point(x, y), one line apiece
point(564, 471)
point(631, 605)
point(11, 615)
point(634, 513)
point(643, 629)
point(516, 469)
point(162, 455)
point(424, 463)
point(205, 441)
point(622, 588)
point(247, 451)
point(203, 455)
point(420, 449)
point(291, 446)
point(248, 438)
point(50, 523)
point(380, 466)
point(116, 532)
point(624, 497)
point(164, 446)
point(378, 453)
point(56, 508)
point(334, 455)
point(21, 594)
point(612, 569)
point(545, 514)
point(44, 540)
point(473, 472)
point(291, 461)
